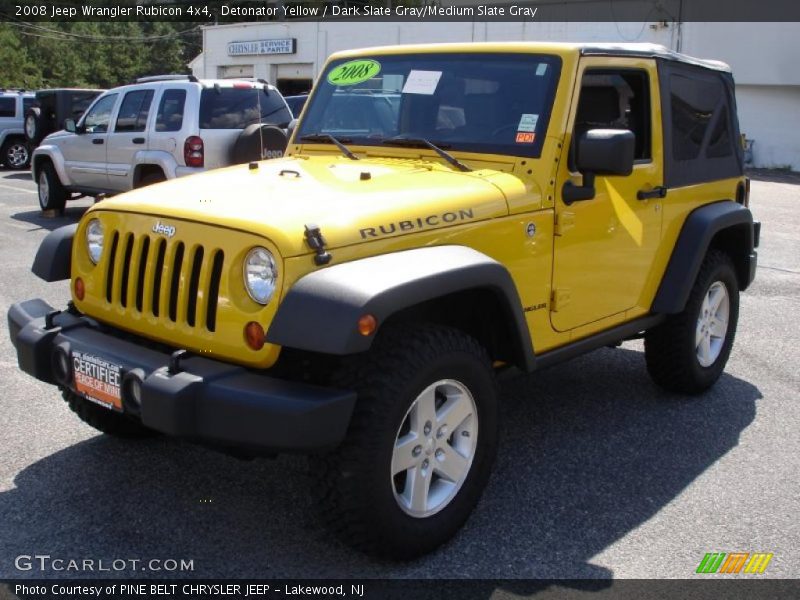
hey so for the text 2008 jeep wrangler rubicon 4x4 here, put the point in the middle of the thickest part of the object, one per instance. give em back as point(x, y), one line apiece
point(443, 210)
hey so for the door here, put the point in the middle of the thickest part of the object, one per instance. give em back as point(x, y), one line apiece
point(604, 246)
point(128, 137)
point(85, 152)
point(165, 133)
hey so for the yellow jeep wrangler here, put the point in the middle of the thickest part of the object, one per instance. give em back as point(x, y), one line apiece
point(443, 211)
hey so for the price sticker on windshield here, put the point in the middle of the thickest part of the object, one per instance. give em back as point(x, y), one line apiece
point(353, 72)
point(422, 82)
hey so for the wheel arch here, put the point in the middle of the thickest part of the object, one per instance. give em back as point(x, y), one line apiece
point(724, 225)
point(143, 170)
point(450, 285)
point(51, 154)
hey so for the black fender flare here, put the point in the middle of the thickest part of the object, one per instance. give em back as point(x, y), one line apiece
point(54, 256)
point(698, 231)
point(321, 310)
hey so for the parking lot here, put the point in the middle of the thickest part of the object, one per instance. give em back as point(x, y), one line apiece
point(600, 473)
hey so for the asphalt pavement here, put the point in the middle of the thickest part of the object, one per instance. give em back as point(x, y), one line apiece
point(600, 473)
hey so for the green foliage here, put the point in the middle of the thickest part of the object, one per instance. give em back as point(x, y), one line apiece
point(96, 55)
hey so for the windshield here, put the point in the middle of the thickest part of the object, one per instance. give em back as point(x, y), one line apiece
point(488, 103)
point(236, 108)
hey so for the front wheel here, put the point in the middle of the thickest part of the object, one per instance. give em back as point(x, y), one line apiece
point(420, 445)
point(688, 352)
point(52, 195)
point(105, 420)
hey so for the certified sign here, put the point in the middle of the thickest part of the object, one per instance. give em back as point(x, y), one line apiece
point(98, 380)
point(282, 46)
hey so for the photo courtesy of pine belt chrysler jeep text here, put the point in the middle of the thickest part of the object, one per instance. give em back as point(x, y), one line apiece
point(443, 211)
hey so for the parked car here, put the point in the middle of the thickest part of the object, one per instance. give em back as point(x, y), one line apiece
point(353, 300)
point(296, 104)
point(51, 108)
point(157, 129)
point(13, 150)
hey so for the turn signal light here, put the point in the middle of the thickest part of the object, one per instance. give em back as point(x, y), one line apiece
point(254, 335)
point(367, 325)
point(80, 289)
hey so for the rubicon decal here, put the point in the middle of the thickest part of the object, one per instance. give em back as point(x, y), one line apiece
point(415, 224)
point(734, 562)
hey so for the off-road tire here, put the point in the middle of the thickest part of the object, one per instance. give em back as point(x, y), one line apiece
point(259, 142)
point(670, 349)
point(56, 195)
point(33, 124)
point(105, 420)
point(354, 482)
point(15, 155)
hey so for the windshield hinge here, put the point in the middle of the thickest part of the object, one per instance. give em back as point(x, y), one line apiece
point(316, 242)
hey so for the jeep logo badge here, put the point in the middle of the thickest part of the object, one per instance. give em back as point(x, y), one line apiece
point(161, 228)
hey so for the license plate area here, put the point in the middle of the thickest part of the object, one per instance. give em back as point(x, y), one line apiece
point(98, 380)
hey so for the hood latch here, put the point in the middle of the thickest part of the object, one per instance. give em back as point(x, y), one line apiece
point(316, 242)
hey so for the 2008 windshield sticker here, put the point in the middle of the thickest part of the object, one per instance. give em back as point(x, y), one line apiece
point(353, 72)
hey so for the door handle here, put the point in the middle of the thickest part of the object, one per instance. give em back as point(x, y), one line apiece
point(656, 192)
point(138, 140)
point(98, 141)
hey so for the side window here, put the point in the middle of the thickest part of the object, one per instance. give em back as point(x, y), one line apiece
point(170, 110)
point(700, 118)
point(99, 116)
point(133, 112)
point(616, 99)
point(27, 103)
point(8, 107)
point(80, 102)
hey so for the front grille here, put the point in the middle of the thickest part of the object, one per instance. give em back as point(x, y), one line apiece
point(168, 279)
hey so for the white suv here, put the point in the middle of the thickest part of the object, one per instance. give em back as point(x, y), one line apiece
point(159, 128)
point(13, 104)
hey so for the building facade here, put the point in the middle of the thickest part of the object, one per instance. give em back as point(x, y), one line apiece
point(763, 57)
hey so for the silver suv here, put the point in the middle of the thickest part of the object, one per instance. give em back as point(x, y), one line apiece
point(159, 128)
point(13, 151)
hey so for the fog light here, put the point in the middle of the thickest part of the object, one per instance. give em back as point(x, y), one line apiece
point(367, 325)
point(132, 385)
point(134, 389)
point(80, 289)
point(254, 334)
point(61, 366)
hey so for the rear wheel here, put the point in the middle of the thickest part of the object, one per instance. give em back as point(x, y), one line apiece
point(688, 352)
point(420, 446)
point(15, 154)
point(52, 195)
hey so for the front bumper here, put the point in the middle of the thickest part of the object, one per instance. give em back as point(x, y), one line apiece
point(205, 400)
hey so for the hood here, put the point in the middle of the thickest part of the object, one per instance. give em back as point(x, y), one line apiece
point(61, 133)
point(350, 201)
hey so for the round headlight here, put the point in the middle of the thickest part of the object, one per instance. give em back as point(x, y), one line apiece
point(94, 240)
point(260, 274)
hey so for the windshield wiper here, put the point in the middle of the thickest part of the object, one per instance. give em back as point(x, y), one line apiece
point(327, 137)
point(422, 142)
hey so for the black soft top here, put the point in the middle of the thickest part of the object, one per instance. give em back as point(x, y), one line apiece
point(650, 51)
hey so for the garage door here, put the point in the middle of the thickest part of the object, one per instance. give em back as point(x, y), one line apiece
point(235, 72)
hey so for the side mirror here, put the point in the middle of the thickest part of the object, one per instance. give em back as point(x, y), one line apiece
point(600, 152)
point(69, 125)
point(290, 128)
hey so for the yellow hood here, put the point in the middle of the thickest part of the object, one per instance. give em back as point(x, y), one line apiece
point(351, 201)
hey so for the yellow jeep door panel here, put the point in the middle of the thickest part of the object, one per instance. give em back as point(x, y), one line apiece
point(608, 243)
